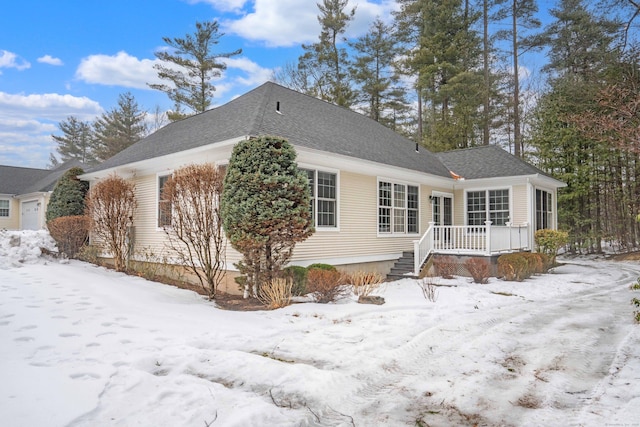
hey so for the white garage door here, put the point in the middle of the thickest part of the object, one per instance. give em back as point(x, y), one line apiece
point(30, 216)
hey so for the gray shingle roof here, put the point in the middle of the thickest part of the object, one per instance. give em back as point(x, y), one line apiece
point(488, 161)
point(18, 180)
point(14, 180)
point(303, 120)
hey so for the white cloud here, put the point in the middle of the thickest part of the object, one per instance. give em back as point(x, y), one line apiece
point(278, 23)
point(292, 22)
point(48, 106)
point(48, 59)
point(222, 5)
point(255, 74)
point(121, 69)
point(27, 122)
point(11, 60)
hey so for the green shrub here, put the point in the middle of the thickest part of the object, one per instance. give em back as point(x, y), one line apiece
point(67, 198)
point(298, 277)
point(320, 266)
point(550, 241)
point(513, 267)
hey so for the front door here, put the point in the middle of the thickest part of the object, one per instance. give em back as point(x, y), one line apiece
point(442, 215)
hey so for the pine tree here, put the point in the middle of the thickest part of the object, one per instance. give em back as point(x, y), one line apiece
point(265, 207)
point(119, 128)
point(74, 143)
point(190, 68)
point(68, 196)
point(325, 62)
point(522, 16)
point(373, 72)
point(580, 51)
point(444, 54)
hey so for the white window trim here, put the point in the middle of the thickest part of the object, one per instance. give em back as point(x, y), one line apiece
point(8, 199)
point(435, 194)
point(157, 189)
point(392, 233)
point(554, 208)
point(309, 166)
point(486, 190)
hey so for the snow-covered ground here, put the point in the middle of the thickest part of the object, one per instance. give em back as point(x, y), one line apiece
point(84, 346)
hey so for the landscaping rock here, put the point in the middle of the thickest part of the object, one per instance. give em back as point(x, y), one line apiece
point(370, 300)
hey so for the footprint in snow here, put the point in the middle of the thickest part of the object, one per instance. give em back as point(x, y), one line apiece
point(68, 335)
point(24, 339)
point(84, 376)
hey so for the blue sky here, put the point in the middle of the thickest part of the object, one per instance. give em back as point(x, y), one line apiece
point(74, 57)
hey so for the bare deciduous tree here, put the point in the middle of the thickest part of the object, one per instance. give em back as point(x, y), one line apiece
point(111, 204)
point(195, 233)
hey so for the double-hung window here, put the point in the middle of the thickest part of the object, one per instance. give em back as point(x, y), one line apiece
point(4, 208)
point(544, 210)
point(398, 208)
point(324, 203)
point(488, 205)
point(164, 205)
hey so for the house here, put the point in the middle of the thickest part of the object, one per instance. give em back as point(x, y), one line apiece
point(376, 195)
point(25, 193)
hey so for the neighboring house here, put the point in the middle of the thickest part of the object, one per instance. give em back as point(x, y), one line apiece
point(25, 193)
point(375, 193)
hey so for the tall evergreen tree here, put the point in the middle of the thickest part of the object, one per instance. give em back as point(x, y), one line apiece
point(444, 53)
point(265, 207)
point(68, 195)
point(326, 62)
point(580, 51)
point(119, 128)
point(522, 14)
point(191, 66)
point(373, 72)
point(75, 141)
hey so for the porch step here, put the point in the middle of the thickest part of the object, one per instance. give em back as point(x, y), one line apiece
point(403, 268)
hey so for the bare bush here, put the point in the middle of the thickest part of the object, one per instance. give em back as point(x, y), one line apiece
point(276, 293)
point(445, 267)
point(479, 270)
point(326, 285)
point(364, 283)
point(71, 233)
point(428, 285)
point(195, 235)
point(111, 204)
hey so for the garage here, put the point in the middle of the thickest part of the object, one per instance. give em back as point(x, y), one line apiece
point(30, 215)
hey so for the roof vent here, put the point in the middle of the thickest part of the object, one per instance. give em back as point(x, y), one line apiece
point(278, 107)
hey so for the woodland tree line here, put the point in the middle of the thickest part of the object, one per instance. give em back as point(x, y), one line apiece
point(446, 74)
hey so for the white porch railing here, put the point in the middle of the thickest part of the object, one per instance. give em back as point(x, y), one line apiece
point(470, 240)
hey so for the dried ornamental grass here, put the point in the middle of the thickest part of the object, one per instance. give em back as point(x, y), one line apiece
point(276, 293)
point(364, 283)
